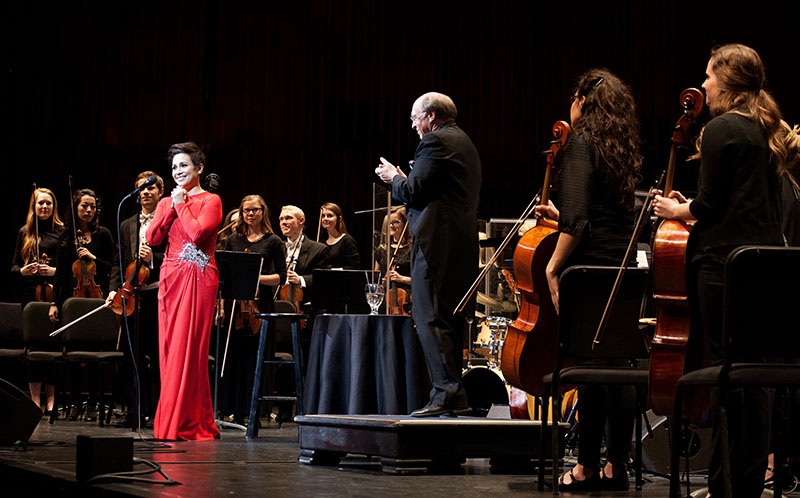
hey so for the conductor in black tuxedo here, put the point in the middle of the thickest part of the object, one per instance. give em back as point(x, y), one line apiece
point(441, 195)
point(145, 339)
point(303, 255)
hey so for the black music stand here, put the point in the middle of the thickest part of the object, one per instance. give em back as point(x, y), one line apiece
point(238, 279)
point(342, 291)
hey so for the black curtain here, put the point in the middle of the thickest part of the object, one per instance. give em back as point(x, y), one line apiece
point(297, 100)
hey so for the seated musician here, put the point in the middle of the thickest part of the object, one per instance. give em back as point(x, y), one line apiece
point(599, 171)
point(399, 273)
point(134, 246)
point(252, 232)
point(303, 255)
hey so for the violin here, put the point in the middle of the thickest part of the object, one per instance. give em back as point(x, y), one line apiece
point(531, 345)
point(137, 272)
point(84, 272)
point(292, 292)
point(44, 289)
point(245, 317)
point(397, 297)
point(671, 355)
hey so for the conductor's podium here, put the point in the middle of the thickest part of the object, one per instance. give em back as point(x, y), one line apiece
point(406, 444)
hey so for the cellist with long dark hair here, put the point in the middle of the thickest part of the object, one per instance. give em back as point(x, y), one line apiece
point(599, 171)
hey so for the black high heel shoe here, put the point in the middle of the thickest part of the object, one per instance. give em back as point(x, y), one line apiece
point(590, 484)
point(619, 483)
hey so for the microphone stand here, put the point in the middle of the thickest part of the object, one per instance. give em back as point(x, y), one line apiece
point(136, 387)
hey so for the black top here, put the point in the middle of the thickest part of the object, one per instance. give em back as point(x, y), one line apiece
point(402, 262)
point(103, 248)
point(738, 192)
point(271, 248)
point(588, 208)
point(441, 194)
point(344, 253)
point(48, 246)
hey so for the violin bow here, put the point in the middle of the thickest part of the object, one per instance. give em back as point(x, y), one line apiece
point(36, 224)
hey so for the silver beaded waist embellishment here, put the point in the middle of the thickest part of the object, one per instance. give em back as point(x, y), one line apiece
point(194, 255)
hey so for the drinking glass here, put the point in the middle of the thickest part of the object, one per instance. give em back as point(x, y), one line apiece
point(374, 293)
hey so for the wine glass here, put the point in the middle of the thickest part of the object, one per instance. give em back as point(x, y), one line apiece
point(374, 293)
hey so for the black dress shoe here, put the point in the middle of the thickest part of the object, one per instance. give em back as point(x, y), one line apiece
point(431, 410)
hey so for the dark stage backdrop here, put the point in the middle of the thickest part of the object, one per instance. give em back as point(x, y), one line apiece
point(297, 100)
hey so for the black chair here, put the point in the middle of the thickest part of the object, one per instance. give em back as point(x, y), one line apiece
point(284, 312)
point(11, 346)
point(92, 340)
point(761, 339)
point(39, 346)
point(583, 293)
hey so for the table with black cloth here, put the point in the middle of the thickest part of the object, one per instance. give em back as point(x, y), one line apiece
point(365, 364)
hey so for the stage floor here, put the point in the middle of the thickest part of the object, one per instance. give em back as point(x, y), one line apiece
point(234, 466)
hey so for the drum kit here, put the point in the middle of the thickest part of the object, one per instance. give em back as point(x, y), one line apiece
point(485, 385)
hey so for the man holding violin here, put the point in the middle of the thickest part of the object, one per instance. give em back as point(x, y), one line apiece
point(134, 247)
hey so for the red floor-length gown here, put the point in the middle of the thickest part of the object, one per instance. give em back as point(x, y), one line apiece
point(186, 293)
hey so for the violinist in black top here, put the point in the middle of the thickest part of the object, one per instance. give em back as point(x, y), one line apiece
point(36, 251)
point(251, 233)
point(145, 336)
point(85, 254)
point(35, 259)
point(399, 274)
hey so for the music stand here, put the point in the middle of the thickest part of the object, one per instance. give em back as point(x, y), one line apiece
point(342, 291)
point(238, 279)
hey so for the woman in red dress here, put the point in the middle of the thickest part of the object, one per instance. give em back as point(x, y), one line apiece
point(188, 219)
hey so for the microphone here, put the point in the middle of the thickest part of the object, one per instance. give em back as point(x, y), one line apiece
point(150, 180)
point(212, 182)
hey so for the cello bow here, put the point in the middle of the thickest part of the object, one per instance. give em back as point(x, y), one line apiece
point(644, 214)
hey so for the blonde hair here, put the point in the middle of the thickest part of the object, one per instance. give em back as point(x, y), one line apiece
point(401, 212)
point(29, 243)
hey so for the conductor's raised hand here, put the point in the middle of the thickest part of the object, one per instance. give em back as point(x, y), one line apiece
point(387, 171)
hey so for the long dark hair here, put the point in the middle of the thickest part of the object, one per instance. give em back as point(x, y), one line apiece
point(608, 119)
point(67, 235)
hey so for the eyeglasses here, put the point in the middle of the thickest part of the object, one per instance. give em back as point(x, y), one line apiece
point(252, 210)
point(395, 223)
point(417, 117)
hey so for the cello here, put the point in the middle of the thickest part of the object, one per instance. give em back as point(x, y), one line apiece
point(531, 342)
point(670, 355)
